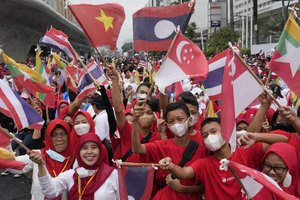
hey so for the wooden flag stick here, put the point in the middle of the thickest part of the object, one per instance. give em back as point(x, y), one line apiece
point(268, 77)
point(13, 137)
point(255, 77)
point(132, 164)
point(239, 181)
point(102, 57)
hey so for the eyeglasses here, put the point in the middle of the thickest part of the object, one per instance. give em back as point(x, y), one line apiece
point(54, 136)
point(267, 168)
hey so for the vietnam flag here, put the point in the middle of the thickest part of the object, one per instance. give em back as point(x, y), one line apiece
point(101, 23)
point(25, 77)
point(285, 61)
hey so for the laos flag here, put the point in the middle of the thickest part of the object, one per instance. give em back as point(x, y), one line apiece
point(135, 182)
point(154, 28)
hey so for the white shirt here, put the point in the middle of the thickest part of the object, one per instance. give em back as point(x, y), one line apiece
point(102, 126)
point(52, 187)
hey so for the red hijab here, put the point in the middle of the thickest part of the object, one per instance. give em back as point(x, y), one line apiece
point(290, 157)
point(61, 113)
point(104, 155)
point(102, 174)
point(55, 167)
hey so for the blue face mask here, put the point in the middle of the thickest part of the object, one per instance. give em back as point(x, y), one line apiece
point(55, 156)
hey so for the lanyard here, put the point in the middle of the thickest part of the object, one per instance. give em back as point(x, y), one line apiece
point(63, 169)
point(81, 193)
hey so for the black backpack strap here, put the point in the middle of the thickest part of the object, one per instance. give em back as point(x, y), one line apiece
point(188, 154)
point(143, 141)
point(108, 147)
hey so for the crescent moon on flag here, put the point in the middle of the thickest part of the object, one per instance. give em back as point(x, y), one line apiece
point(179, 49)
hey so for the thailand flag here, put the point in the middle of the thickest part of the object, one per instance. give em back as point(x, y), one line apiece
point(257, 184)
point(239, 89)
point(12, 105)
point(154, 27)
point(86, 82)
point(185, 60)
point(57, 39)
point(135, 182)
point(213, 82)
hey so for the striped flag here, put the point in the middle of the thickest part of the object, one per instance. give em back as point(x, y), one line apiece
point(57, 39)
point(213, 82)
point(86, 82)
point(12, 105)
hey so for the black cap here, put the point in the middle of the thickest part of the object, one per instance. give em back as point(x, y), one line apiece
point(98, 102)
point(276, 89)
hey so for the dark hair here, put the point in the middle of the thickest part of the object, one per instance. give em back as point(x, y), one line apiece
point(153, 104)
point(190, 100)
point(209, 120)
point(98, 102)
point(275, 115)
point(178, 105)
point(185, 94)
point(147, 84)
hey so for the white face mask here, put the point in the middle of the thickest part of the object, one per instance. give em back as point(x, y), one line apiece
point(55, 156)
point(240, 133)
point(194, 119)
point(214, 142)
point(179, 129)
point(140, 97)
point(81, 129)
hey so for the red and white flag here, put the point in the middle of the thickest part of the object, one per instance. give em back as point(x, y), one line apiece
point(239, 89)
point(257, 184)
point(185, 60)
point(57, 39)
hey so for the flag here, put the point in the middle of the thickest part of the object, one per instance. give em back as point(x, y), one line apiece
point(57, 39)
point(101, 23)
point(4, 140)
point(86, 82)
point(239, 89)
point(174, 90)
point(185, 60)
point(285, 60)
point(7, 160)
point(154, 27)
point(136, 182)
point(25, 77)
point(255, 182)
point(12, 105)
point(213, 82)
point(45, 98)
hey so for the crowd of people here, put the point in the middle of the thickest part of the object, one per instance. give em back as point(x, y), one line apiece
point(71, 156)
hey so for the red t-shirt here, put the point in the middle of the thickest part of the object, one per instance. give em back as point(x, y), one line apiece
point(167, 148)
point(125, 145)
point(221, 184)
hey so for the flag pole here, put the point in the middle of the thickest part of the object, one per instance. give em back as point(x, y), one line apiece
point(132, 164)
point(254, 76)
point(238, 180)
point(102, 57)
point(13, 137)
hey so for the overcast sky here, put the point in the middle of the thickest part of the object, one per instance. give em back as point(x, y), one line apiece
point(130, 7)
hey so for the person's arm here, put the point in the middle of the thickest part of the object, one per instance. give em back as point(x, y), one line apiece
point(256, 123)
point(37, 142)
point(37, 158)
point(175, 170)
point(164, 102)
point(136, 144)
point(267, 138)
point(75, 105)
point(116, 97)
point(110, 112)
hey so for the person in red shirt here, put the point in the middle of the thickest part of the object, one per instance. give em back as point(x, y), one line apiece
point(218, 184)
point(122, 145)
point(178, 120)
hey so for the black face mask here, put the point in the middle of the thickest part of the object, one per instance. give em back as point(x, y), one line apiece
point(284, 126)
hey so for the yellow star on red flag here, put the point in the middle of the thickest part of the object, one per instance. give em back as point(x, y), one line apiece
point(106, 20)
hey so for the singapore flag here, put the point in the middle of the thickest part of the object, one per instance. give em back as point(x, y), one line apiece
point(184, 60)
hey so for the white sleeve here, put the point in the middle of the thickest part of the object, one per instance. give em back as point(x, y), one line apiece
point(102, 127)
point(53, 187)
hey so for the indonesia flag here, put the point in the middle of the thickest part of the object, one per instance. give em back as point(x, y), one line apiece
point(213, 82)
point(57, 39)
point(86, 82)
point(257, 184)
point(185, 60)
point(239, 89)
point(12, 105)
